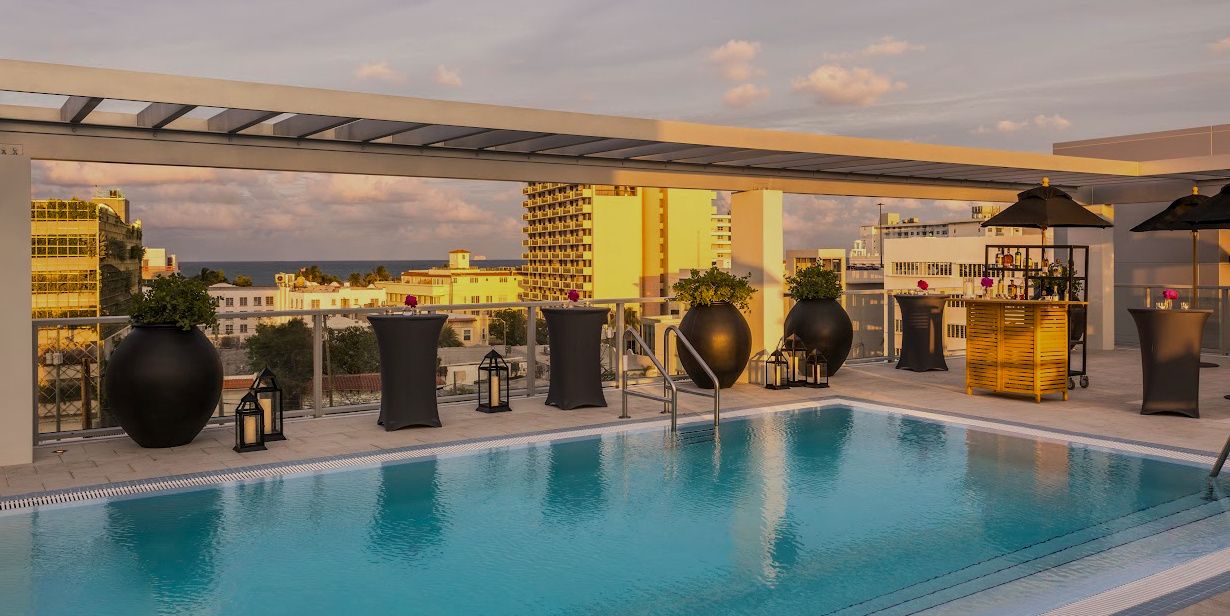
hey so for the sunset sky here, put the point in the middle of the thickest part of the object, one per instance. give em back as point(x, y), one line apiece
point(1011, 75)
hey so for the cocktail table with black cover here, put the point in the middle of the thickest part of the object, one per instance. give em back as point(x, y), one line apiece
point(407, 344)
point(1170, 359)
point(922, 332)
point(576, 356)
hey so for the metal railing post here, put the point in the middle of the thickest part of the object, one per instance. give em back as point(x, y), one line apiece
point(886, 328)
point(318, 323)
point(1222, 315)
point(531, 351)
point(619, 344)
point(34, 383)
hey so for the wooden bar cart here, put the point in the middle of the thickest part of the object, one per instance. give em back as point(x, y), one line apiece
point(1017, 346)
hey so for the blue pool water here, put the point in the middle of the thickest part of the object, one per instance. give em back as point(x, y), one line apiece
point(812, 512)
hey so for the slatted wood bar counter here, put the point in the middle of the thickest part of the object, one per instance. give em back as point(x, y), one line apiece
point(1017, 346)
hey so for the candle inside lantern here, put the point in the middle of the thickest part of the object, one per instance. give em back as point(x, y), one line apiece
point(494, 394)
point(250, 429)
point(266, 409)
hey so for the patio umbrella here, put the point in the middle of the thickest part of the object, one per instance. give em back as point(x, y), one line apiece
point(1046, 207)
point(1178, 216)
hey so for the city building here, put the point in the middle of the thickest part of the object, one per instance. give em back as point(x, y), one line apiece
point(85, 262)
point(617, 241)
point(832, 259)
point(232, 299)
point(949, 256)
point(158, 262)
point(458, 283)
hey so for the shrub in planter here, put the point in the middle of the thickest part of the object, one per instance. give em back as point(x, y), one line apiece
point(715, 326)
point(817, 318)
point(164, 379)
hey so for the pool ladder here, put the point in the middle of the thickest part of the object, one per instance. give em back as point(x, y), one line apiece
point(671, 389)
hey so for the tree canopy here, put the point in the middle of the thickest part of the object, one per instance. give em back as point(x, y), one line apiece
point(286, 349)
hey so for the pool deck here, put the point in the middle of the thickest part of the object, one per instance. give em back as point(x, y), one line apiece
point(1108, 408)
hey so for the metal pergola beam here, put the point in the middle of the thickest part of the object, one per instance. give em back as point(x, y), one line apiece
point(158, 115)
point(76, 108)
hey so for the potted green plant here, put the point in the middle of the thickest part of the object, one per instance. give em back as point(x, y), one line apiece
point(715, 326)
point(165, 377)
point(817, 318)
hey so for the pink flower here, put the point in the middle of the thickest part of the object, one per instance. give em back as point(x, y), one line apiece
point(922, 284)
point(1170, 294)
point(412, 301)
point(987, 282)
point(573, 295)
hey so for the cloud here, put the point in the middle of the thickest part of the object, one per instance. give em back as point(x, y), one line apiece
point(1042, 121)
point(834, 83)
point(744, 95)
point(735, 59)
point(447, 77)
point(1055, 121)
point(886, 46)
point(379, 71)
point(1219, 46)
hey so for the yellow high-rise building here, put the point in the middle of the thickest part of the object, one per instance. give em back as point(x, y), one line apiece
point(85, 262)
point(616, 241)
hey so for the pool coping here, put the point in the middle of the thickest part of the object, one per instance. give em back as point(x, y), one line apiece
point(1171, 589)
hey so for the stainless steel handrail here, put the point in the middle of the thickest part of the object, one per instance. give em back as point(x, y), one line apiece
point(1221, 459)
point(672, 401)
point(716, 394)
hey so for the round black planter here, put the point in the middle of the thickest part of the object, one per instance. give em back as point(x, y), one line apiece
point(163, 384)
point(824, 326)
point(723, 339)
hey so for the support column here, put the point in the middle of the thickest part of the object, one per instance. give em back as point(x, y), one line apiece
point(756, 249)
point(17, 353)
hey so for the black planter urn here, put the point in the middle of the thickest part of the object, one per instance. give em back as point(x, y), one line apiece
point(723, 339)
point(824, 327)
point(163, 384)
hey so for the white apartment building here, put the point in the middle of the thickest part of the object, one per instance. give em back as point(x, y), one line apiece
point(232, 299)
point(949, 256)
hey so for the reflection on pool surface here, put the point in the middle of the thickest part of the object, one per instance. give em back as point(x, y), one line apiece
point(821, 511)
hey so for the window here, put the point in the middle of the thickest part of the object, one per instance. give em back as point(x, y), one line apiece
point(465, 335)
point(268, 300)
point(956, 330)
point(243, 329)
point(256, 301)
point(315, 304)
point(969, 270)
point(230, 329)
point(230, 301)
point(243, 301)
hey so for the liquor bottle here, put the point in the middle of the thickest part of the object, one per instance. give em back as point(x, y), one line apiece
point(1012, 289)
point(1007, 259)
point(1017, 259)
point(1046, 266)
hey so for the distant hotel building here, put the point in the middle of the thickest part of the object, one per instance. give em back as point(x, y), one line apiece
point(157, 263)
point(459, 283)
point(617, 241)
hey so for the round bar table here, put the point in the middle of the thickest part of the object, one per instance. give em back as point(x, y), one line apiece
point(407, 344)
point(922, 332)
point(576, 356)
point(1170, 359)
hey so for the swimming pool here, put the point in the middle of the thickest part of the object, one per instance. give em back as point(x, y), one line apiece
point(821, 511)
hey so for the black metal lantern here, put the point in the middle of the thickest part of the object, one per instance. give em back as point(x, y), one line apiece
point(796, 356)
point(776, 371)
point(269, 397)
point(493, 384)
point(249, 425)
point(816, 370)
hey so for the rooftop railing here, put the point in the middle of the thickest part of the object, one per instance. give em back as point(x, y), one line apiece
point(72, 354)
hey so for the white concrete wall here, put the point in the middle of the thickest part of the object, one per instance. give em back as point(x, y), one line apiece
point(17, 353)
point(757, 249)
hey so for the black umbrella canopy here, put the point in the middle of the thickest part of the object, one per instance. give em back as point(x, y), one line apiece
point(1046, 207)
point(1176, 216)
point(1214, 214)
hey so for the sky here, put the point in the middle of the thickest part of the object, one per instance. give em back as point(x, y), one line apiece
point(1006, 75)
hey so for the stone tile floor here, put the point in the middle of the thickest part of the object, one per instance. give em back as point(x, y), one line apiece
point(1109, 407)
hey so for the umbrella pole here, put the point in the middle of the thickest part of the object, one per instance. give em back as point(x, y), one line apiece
point(1195, 269)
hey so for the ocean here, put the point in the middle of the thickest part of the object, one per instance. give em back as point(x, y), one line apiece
point(262, 272)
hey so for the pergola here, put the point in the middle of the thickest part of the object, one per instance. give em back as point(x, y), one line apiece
point(112, 116)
